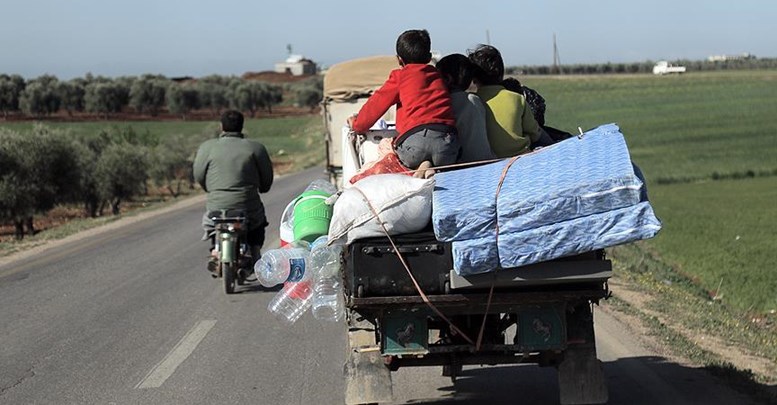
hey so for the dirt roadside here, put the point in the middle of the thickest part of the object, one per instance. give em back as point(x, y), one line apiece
point(127, 219)
point(740, 358)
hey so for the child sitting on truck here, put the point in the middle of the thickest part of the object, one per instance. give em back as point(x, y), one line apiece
point(468, 108)
point(425, 119)
point(511, 127)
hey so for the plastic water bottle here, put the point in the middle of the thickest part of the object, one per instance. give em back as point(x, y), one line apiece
point(293, 300)
point(322, 185)
point(328, 302)
point(282, 265)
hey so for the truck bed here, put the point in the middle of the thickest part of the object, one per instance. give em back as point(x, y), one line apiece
point(373, 269)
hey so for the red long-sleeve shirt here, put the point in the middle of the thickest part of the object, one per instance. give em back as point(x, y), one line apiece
point(420, 95)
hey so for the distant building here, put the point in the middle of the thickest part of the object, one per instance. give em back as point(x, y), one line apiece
point(296, 65)
point(723, 58)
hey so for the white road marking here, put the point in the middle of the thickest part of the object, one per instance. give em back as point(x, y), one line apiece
point(165, 368)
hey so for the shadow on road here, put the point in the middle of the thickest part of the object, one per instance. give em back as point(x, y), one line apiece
point(254, 287)
point(636, 380)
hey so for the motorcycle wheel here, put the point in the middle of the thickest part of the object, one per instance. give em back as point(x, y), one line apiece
point(228, 274)
point(240, 279)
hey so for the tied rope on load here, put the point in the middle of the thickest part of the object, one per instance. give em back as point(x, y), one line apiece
point(418, 288)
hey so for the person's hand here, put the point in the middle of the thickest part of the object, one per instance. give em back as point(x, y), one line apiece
point(351, 120)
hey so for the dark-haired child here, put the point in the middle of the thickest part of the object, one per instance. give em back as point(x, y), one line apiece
point(425, 119)
point(468, 108)
point(511, 127)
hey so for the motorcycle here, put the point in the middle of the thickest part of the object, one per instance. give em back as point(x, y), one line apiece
point(234, 254)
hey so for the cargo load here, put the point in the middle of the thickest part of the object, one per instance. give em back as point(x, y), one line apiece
point(575, 196)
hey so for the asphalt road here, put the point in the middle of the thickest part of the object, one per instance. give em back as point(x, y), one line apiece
point(130, 316)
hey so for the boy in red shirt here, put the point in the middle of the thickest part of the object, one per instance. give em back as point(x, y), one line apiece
point(425, 119)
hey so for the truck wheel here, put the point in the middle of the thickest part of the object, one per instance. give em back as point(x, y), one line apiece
point(580, 375)
point(581, 378)
point(367, 379)
point(452, 371)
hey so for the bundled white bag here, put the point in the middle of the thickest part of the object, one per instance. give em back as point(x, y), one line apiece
point(403, 204)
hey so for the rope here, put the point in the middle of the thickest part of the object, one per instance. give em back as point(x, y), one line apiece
point(407, 268)
point(493, 280)
point(451, 166)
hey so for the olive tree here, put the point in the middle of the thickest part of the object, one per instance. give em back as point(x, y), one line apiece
point(11, 88)
point(71, 94)
point(273, 95)
point(172, 163)
point(40, 169)
point(104, 97)
point(16, 197)
point(121, 173)
point(90, 149)
point(147, 94)
point(249, 96)
point(213, 96)
point(308, 97)
point(182, 99)
point(40, 96)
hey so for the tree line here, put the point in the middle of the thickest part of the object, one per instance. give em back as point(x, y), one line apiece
point(645, 67)
point(148, 95)
point(45, 167)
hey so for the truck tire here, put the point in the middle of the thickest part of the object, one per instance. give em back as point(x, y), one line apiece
point(367, 379)
point(581, 377)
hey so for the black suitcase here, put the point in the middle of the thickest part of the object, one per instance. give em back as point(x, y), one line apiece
point(373, 269)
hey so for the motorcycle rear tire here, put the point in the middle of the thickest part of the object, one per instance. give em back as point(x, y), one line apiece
point(228, 274)
point(240, 280)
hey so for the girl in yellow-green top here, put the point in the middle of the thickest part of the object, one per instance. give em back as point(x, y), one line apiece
point(511, 127)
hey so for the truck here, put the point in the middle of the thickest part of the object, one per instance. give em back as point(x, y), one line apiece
point(663, 68)
point(407, 307)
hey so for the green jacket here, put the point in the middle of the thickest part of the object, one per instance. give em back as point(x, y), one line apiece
point(233, 171)
point(510, 125)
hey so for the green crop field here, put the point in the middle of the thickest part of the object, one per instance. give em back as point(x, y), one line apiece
point(685, 132)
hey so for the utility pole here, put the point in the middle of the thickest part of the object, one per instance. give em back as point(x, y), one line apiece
point(556, 59)
point(488, 38)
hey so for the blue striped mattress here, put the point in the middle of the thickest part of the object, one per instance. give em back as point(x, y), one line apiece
point(573, 178)
point(575, 236)
point(568, 198)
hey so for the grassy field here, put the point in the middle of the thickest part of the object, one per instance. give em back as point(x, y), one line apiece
point(684, 132)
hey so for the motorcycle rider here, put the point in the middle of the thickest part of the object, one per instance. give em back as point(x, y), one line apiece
point(233, 171)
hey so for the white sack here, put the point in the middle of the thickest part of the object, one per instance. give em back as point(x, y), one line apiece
point(403, 204)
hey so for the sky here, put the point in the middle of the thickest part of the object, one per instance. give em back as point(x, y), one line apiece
point(69, 38)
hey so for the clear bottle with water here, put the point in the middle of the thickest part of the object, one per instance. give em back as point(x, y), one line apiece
point(328, 303)
point(322, 185)
point(294, 299)
point(277, 266)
